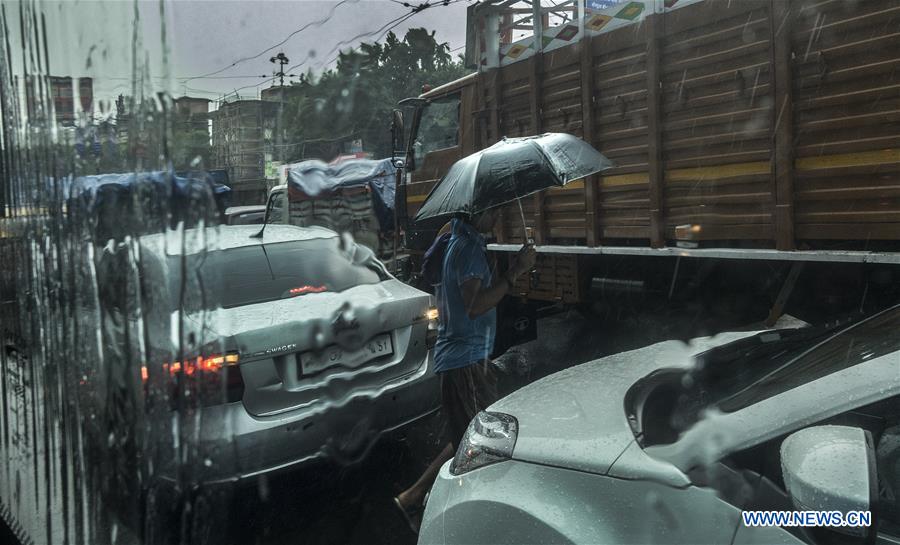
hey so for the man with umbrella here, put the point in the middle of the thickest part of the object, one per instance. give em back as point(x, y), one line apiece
point(467, 296)
point(468, 290)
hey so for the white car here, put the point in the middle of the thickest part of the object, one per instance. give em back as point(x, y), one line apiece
point(315, 351)
point(670, 443)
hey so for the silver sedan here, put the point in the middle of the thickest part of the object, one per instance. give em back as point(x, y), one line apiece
point(670, 443)
point(281, 349)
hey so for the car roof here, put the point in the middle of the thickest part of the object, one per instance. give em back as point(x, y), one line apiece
point(233, 210)
point(227, 237)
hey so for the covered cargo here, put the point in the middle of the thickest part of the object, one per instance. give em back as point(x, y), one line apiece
point(355, 196)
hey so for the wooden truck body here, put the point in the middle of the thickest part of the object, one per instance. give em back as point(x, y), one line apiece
point(770, 128)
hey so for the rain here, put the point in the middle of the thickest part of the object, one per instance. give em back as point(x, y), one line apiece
point(449, 272)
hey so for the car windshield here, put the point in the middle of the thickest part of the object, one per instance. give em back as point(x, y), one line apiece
point(260, 273)
point(745, 372)
point(442, 271)
point(795, 362)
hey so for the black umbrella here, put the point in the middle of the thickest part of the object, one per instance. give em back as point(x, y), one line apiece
point(511, 169)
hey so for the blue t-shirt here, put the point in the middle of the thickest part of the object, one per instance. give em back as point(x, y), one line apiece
point(461, 340)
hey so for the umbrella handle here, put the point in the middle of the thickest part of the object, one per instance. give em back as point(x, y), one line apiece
point(528, 240)
point(525, 229)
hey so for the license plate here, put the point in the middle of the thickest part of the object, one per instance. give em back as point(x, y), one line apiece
point(332, 356)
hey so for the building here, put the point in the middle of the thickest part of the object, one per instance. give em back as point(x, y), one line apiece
point(62, 92)
point(243, 134)
point(193, 111)
point(278, 93)
point(190, 131)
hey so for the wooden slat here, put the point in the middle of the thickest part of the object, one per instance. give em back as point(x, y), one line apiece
point(536, 69)
point(688, 21)
point(494, 92)
point(848, 231)
point(625, 232)
point(591, 193)
point(761, 232)
point(782, 16)
point(654, 131)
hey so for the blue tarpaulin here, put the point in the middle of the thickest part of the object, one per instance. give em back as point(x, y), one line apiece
point(146, 202)
point(317, 179)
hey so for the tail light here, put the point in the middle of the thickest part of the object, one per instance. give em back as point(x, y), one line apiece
point(431, 333)
point(214, 379)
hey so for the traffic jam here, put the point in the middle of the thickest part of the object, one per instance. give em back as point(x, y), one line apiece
point(487, 272)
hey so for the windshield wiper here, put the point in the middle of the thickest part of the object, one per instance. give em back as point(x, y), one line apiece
point(792, 370)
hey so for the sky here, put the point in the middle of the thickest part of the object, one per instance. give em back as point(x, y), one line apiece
point(101, 39)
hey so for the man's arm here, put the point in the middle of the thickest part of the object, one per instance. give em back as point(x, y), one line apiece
point(479, 300)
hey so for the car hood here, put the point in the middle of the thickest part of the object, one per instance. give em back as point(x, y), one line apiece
point(576, 418)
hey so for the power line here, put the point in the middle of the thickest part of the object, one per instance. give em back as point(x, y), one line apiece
point(382, 31)
point(353, 39)
point(184, 79)
point(206, 91)
point(279, 44)
point(227, 77)
point(387, 27)
point(234, 92)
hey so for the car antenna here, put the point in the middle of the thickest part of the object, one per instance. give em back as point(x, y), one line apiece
point(265, 222)
point(261, 231)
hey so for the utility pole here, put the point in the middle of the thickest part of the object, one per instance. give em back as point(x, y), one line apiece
point(280, 60)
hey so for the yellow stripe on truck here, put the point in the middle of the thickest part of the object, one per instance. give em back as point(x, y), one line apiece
point(879, 157)
point(862, 158)
point(718, 172)
point(624, 179)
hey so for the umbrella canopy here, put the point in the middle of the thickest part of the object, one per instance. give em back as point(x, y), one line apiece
point(510, 169)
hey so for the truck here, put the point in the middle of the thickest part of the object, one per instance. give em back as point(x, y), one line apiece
point(354, 196)
point(755, 143)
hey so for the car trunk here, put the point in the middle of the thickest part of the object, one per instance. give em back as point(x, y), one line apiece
point(324, 348)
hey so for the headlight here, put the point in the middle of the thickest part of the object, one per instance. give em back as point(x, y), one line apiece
point(490, 438)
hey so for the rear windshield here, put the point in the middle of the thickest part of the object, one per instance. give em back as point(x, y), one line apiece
point(256, 274)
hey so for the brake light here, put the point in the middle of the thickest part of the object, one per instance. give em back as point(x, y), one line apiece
point(200, 363)
point(432, 330)
point(215, 378)
point(307, 289)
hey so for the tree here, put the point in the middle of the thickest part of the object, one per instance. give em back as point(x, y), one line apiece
point(354, 100)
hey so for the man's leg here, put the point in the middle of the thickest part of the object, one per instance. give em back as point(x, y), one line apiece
point(412, 497)
point(415, 495)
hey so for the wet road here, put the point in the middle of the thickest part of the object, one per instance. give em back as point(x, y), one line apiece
point(353, 505)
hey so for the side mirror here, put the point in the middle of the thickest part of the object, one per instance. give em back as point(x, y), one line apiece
point(397, 132)
point(832, 468)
